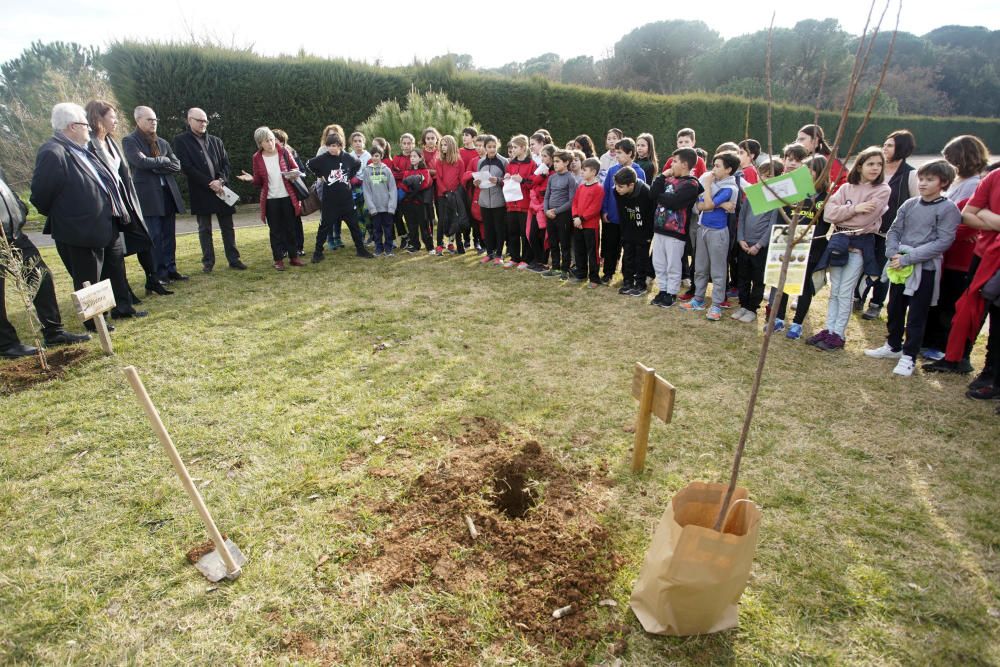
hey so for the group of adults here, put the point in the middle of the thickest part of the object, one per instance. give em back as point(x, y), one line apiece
point(103, 201)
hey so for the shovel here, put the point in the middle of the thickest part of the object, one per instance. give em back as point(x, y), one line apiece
point(227, 559)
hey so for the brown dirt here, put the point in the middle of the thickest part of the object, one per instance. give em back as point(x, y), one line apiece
point(195, 553)
point(21, 374)
point(540, 541)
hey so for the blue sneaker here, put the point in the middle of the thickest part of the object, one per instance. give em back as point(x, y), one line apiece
point(931, 354)
point(794, 331)
point(694, 304)
point(779, 325)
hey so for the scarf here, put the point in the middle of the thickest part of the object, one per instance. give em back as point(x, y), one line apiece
point(110, 183)
point(153, 141)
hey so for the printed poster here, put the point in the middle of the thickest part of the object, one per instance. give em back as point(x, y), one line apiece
point(776, 251)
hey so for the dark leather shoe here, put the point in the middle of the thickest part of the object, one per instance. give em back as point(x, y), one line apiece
point(173, 275)
point(207, 268)
point(65, 338)
point(18, 350)
point(92, 328)
point(115, 315)
point(238, 265)
point(155, 286)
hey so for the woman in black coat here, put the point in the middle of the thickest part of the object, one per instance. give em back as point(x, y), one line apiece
point(103, 121)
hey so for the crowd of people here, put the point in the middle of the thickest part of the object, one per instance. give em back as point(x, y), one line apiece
point(923, 243)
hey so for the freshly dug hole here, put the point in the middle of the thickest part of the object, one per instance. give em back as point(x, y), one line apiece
point(512, 493)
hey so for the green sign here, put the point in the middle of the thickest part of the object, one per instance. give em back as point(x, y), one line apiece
point(792, 187)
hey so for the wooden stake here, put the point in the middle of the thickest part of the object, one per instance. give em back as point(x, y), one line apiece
point(102, 330)
point(192, 490)
point(642, 422)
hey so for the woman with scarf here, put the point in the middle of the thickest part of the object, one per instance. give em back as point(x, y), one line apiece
point(103, 121)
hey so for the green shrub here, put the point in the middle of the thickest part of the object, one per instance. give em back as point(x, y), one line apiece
point(422, 110)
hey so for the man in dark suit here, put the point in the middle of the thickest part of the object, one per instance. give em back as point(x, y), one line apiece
point(206, 164)
point(83, 206)
point(153, 167)
point(12, 219)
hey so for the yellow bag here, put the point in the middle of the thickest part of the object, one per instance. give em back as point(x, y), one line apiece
point(692, 578)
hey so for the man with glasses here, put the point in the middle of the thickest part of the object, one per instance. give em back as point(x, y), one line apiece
point(84, 206)
point(153, 167)
point(206, 164)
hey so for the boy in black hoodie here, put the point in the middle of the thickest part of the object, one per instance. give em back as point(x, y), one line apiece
point(674, 192)
point(336, 168)
point(635, 215)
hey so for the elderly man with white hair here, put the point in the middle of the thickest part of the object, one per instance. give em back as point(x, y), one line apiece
point(83, 206)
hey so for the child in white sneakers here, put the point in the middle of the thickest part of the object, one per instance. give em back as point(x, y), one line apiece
point(923, 230)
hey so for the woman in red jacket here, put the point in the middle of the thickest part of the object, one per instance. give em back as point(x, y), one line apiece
point(521, 170)
point(448, 179)
point(274, 169)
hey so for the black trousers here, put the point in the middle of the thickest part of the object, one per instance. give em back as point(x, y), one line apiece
point(228, 239)
point(331, 218)
point(281, 228)
point(585, 251)
point(416, 220)
point(611, 247)
point(908, 315)
point(558, 231)
point(879, 290)
point(536, 239)
point(398, 222)
point(517, 242)
point(496, 230)
point(953, 284)
point(635, 262)
point(46, 305)
point(90, 264)
point(750, 278)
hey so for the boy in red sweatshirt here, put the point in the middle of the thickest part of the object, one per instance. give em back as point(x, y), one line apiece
point(586, 223)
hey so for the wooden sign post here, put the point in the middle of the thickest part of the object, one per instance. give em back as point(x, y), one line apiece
point(91, 303)
point(656, 397)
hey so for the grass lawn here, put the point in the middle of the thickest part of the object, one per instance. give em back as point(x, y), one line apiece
point(308, 404)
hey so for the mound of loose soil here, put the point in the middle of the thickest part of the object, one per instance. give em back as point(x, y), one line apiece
point(26, 372)
point(540, 543)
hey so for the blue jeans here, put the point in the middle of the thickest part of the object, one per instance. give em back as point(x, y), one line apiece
point(843, 280)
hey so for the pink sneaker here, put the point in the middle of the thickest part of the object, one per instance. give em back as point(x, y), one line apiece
point(485, 259)
point(522, 265)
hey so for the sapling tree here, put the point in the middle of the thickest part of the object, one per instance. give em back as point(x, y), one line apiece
point(796, 234)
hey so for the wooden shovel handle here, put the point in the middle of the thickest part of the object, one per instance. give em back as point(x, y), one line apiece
point(168, 446)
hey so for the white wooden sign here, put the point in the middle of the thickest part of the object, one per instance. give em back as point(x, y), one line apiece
point(91, 303)
point(94, 299)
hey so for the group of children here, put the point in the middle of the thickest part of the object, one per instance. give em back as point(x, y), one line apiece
point(570, 214)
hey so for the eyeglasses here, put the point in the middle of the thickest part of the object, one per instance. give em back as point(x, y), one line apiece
point(79, 123)
point(200, 120)
point(152, 120)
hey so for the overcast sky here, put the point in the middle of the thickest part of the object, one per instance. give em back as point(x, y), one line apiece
point(396, 32)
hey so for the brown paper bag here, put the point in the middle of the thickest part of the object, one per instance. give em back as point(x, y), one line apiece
point(693, 576)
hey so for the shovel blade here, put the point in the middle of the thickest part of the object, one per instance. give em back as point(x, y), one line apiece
point(214, 568)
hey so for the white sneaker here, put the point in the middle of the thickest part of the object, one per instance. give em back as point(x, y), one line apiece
point(748, 316)
point(904, 366)
point(738, 313)
point(886, 352)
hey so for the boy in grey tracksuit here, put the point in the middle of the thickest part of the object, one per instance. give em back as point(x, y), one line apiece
point(753, 234)
point(379, 189)
point(712, 245)
point(923, 230)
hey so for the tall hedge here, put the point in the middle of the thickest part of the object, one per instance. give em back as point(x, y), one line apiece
point(240, 91)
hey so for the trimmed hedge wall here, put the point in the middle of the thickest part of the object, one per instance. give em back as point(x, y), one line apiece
point(241, 91)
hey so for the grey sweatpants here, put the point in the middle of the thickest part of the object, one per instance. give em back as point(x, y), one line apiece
point(668, 255)
point(711, 258)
